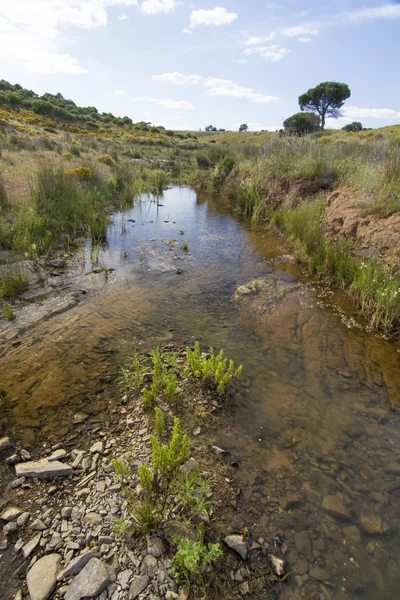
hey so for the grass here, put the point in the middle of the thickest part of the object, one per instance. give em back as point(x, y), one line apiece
point(12, 283)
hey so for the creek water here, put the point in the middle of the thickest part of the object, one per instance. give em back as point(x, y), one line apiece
point(317, 420)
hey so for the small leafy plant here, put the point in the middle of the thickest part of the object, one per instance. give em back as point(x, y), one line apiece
point(192, 561)
point(120, 468)
point(123, 526)
point(214, 369)
point(159, 424)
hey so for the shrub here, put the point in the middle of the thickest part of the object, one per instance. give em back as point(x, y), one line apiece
point(12, 283)
point(105, 159)
point(82, 172)
point(215, 370)
point(192, 561)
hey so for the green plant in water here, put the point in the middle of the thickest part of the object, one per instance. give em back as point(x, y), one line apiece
point(185, 245)
point(214, 369)
point(120, 469)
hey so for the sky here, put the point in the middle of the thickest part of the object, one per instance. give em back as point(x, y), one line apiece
point(221, 62)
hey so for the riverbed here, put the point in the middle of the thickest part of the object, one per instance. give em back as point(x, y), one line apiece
point(315, 434)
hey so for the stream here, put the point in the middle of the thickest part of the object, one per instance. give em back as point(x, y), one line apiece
point(316, 432)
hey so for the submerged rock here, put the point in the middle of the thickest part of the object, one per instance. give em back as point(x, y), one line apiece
point(336, 507)
point(42, 577)
point(43, 469)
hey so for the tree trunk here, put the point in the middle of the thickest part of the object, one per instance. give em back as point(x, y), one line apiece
point(323, 121)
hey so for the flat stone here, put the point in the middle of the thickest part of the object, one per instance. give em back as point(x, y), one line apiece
point(11, 514)
point(23, 519)
point(319, 574)
point(11, 527)
point(155, 547)
point(97, 448)
point(138, 585)
point(41, 578)
point(371, 524)
point(76, 565)
point(236, 543)
point(149, 566)
point(91, 581)
point(190, 466)
point(302, 566)
point(352, 534)
point(336, 507)
point(43, 469)
point(93, 518)
point(124, 578)
point(58, 455)
point(38, 525)
point(31, 545)
point(302, 542)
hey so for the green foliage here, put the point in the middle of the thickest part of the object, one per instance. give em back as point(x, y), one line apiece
point(8, 313)
point(120, 469)
point(146, 515)
point(214, 369)
point(159, 425)
point(164, 379)
point(243, 127)
point(326, 99)
point(354, 126)
point(145, 478)
point(132, 375)
point(12, 283)
point(166, 458)
point(193, 493)
point(301, 124)
point(122, 526)
point(192, 561)
point(105, 159)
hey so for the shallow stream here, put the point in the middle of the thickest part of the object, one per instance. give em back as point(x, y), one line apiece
point(318, 419)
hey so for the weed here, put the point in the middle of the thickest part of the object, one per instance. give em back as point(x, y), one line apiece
point(122, 526)
point(8, 313)
point(193, 492)
point(159, 425)
point(12, 283)
point(192, 561)
point(120, 468)
point(185, 245)
point(215, 370)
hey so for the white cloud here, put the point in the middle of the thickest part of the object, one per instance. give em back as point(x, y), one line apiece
point(354, 112)
point(178, 78)
point(152, 7)
point(273, 53)
point(216, 86)
point(123, 17)
point(385, 11)
point(119, 93)
point(32, 30)
point(216, 16)
point(178, 104)
point(256, 41)
point(299, 30)
point(187, 31)
point(240, 61)
point(101, 74)
point(304, 40)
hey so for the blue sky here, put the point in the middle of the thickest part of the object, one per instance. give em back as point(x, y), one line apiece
point(222, 62)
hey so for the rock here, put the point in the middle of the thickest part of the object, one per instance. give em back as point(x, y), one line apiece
point(190, 466)
point(10, 528)
point(371, 524)
point(11, 514)
point(31, 545)
point(43, 469)
point(23, 519)
point(38, 525)
point(236, 543)
point(124, 577)
point(5, 445)
point(66, 512)
point(319, 574)
point(76, 565)
point(352, 534)
point(149, 566)
point(18, 595)
point(370, 547)
point(25, 455)
point(278, 565)
point(155, 547)
point(41, 578)
point(244, 588)
point(335, 506)
point(393, 468)
point(92, 518)
point(219, 450)
point(18, 482)
point(91, 581)
point(302, 566)
point(138, 585)
point(302, 542)
point(13, 459)
point(97, 448)
point(58, 455)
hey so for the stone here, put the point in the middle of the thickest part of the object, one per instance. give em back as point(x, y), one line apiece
point(25, 455)
point(11, 527)
point(393, 468)
point(219, 450)
point(124, 578)
point(278, 565)
point(41, 578)
point(5, 444)
point(236, 543)
point(302, 542)
point(244, 588)
point(11, 514)
point(319, 574)
point(370, 547)
point(302, 566)
point(66, 512)
point(371, 524)
point(23, 519)
point(138, 585)
point(106, 539)
point(18, 482)
point(155, 547)
point(13, 459)
point(91, 581)
point(97, 448)
point(31, 545)
point(58, 455)
point(190, 466)
point(149, 566)
point(55, 540)
point(38, 525)
point(336, 507)
point(92, 518)
point(76, 565)
point(352, 534)
point(43, 469)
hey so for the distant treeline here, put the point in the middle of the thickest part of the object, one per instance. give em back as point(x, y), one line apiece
point(60, 110)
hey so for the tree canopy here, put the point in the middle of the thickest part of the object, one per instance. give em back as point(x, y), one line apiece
point(244, 127)
point(302, 124)
point(354, 126)
point(326, 99)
